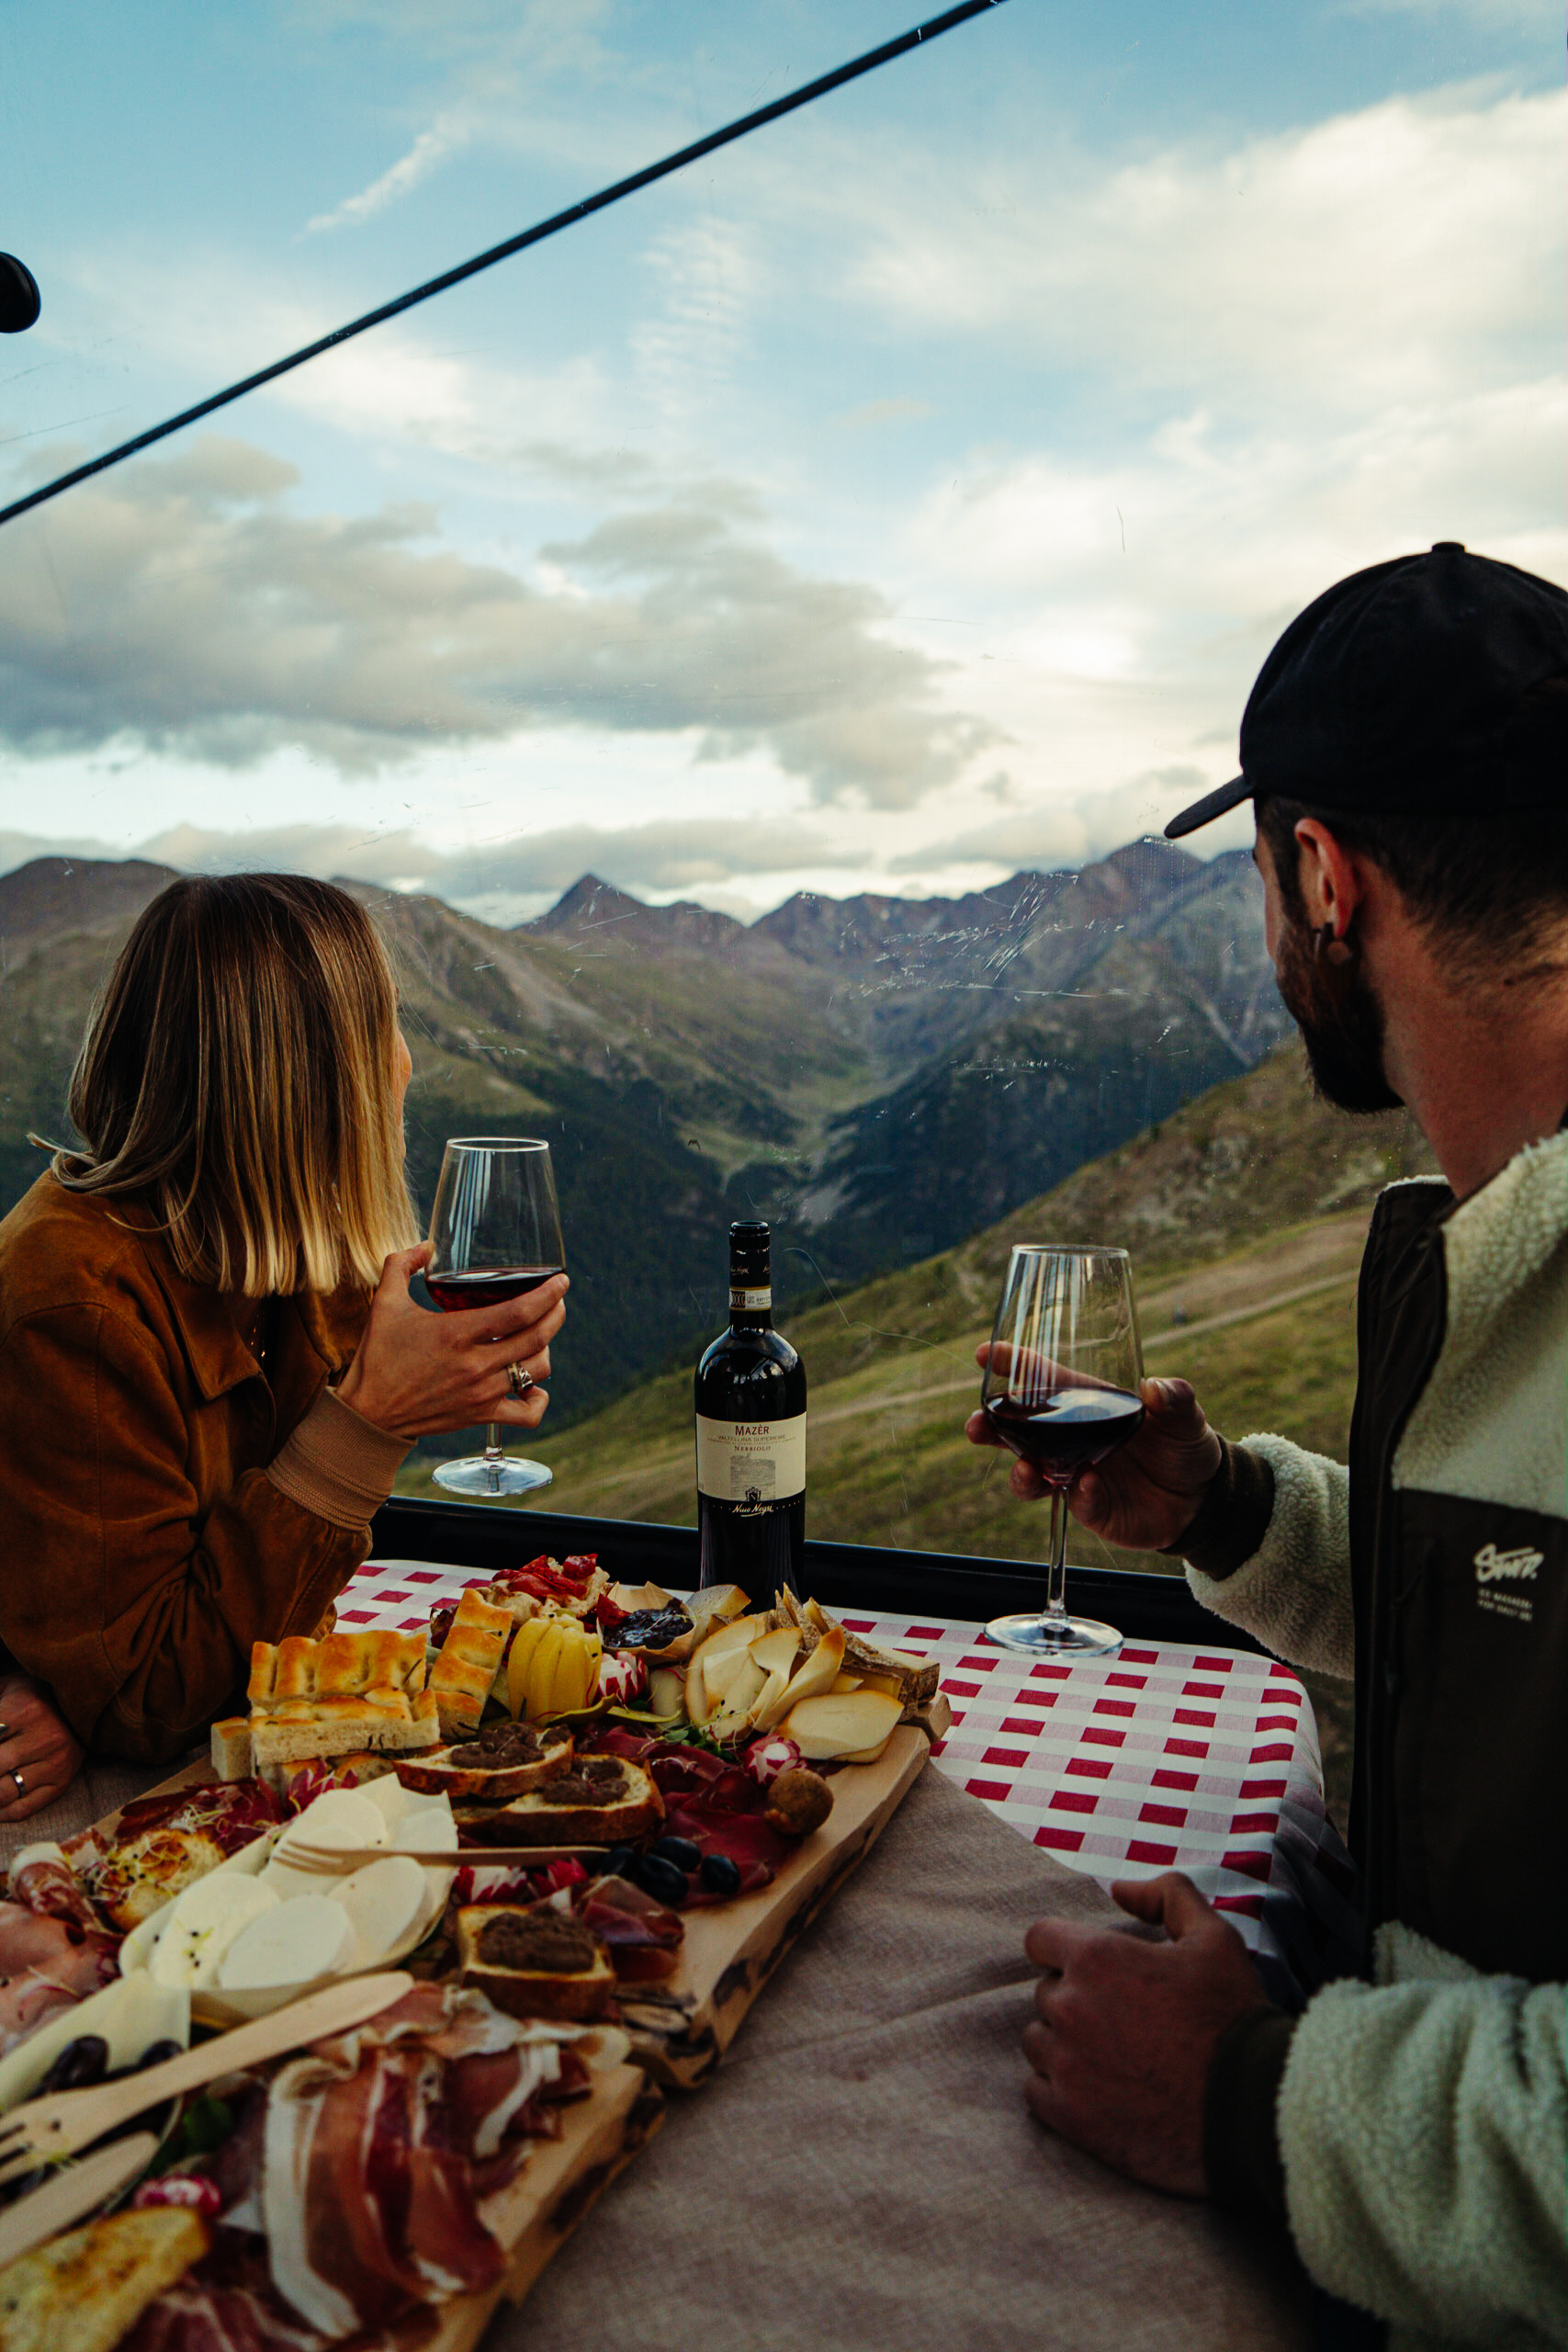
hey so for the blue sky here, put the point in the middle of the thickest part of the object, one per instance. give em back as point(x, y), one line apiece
point(906, 496)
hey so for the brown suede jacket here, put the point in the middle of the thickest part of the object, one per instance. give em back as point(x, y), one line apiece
point(166, 1498)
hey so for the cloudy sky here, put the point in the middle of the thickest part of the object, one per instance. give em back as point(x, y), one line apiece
point(905, 496)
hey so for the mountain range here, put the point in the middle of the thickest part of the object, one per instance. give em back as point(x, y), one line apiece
point(880, 1076)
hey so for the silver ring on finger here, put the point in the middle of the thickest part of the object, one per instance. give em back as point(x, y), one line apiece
point(519, 1379)
point(21, 1784)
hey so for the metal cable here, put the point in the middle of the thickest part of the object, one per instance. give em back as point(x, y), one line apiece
point(743, 124)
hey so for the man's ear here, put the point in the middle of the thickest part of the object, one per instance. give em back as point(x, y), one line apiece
point(1333, 885)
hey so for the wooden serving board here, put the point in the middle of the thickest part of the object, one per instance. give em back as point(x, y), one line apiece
point(557, 2188)
point(682, 2028)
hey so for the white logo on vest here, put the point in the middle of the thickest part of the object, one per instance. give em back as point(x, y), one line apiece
point(1493, 1567)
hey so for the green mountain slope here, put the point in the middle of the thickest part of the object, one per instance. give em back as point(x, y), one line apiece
point(1245, 1215)
point(687, 1067)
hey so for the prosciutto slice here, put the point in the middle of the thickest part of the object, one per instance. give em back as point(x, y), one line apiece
point(47, 1963)
point(43, 1881)
point(228, 2304)
point(369, 2190)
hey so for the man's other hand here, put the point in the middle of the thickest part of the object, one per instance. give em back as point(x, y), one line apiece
point(1146, 1495)
point(1126, 2028)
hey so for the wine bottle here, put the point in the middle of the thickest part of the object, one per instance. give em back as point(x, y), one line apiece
point(750, 1406)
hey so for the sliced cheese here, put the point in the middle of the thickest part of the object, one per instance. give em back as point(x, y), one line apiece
point(341, 1819)
point(205, 1920)
point(827, 1726)
point(776, 1652)
point(430, 1830)
point(719, 1672)
point(383, 1902)
point(293, 1944)
point(702, 1697)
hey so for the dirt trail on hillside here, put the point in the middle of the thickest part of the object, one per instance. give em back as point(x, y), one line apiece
point(1274, 1275)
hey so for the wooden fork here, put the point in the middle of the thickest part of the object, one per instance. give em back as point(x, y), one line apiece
point(43, 2130)
point(331, 1861)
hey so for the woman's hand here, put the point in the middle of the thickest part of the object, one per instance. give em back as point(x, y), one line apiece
point(1146, 1495)
point(35, 1742)
point(418, 1373)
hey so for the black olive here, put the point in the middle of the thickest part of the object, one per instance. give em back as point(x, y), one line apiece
point(618, 1862)
point(155, 2054)
point(659, 1878)
point(720, 1875)
point(679, 1850)
point(81, 2062)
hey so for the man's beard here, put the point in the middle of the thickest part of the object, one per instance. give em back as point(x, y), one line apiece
point(1341, 1024)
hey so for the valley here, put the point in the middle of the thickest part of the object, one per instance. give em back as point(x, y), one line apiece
point(878, 1077)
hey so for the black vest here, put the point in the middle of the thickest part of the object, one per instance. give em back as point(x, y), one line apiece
point(1459, 1812)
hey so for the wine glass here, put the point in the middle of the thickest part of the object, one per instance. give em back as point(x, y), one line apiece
point(1061, 1390)
point(495, 1235)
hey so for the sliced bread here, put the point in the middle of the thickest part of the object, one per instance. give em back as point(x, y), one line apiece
point(535, 1962)
point(601, 1802)
point(500, 1762)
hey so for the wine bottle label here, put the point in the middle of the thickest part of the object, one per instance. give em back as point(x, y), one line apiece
point(752, 1461)
point(750, 1301)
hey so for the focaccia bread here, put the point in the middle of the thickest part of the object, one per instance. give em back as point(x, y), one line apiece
point(468, 1660)
point(327, 1697)
point(603, 1801)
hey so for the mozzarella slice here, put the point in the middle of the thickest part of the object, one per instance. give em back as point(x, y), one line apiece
point(204, 1922)
point(340, 1818)
point(382, 1903)
point(390, 1799)
point(432, 1830)
point(293, 1944)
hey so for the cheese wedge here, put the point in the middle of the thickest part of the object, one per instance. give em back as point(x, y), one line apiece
point(826, 1728)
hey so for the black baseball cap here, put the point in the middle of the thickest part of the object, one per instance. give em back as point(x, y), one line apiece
point(1393, 692)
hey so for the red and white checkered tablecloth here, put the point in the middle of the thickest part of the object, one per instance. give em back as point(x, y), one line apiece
point(1159, 1758)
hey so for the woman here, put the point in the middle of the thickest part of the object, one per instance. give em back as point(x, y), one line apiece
point(210, 1366)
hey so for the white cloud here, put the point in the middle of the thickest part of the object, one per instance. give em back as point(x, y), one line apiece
point(186, 606)
point(1068, 832)
point(432, 147)
point(1372, 257)
point(674, 854)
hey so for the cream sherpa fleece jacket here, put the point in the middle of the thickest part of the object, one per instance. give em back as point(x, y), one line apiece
point(1423, 2119)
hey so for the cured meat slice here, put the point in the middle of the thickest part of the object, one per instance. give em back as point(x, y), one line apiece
point(370, 2193)
point(368, 2209)
point(226, 2303)
point(47, 1963)
point(43, 1881)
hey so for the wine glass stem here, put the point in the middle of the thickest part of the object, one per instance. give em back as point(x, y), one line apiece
point(1055, 1610)
point(494, 1456)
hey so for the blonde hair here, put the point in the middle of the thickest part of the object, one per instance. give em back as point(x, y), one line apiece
point(238, 1076)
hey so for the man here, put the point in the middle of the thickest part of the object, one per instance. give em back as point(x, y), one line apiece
point(1406, 750)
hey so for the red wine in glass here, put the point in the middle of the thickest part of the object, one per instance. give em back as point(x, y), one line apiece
point(456, 1294)
point(1066, 1431)
point(495, 1235)
point(1062, 1390)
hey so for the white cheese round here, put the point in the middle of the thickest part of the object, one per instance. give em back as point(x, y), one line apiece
point(203, 1924)
point(382, 1901)
point(293, 1944)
